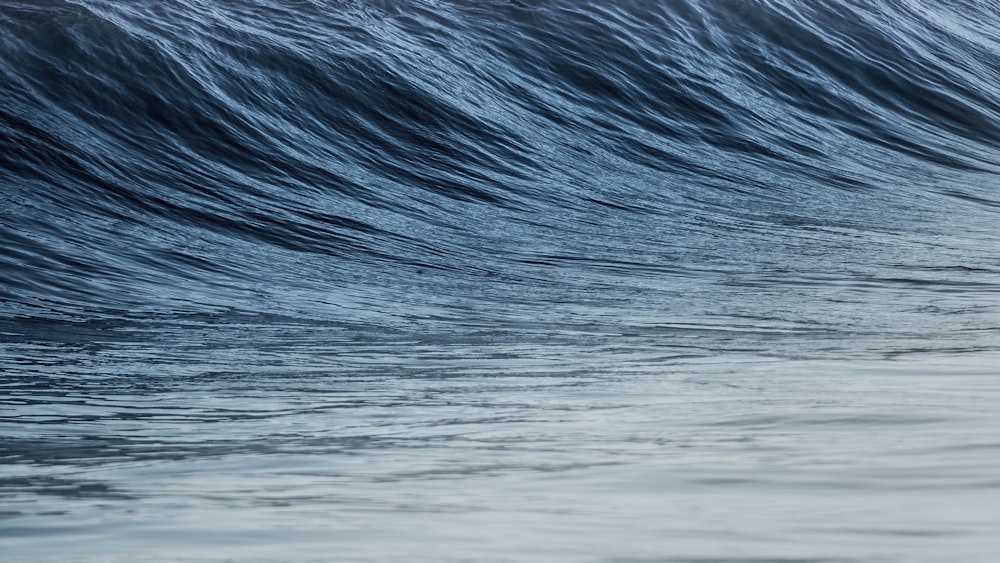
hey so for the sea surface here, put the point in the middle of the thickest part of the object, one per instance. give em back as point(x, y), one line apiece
point(554, 281)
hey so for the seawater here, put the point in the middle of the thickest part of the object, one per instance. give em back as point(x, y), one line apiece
point(499, 281)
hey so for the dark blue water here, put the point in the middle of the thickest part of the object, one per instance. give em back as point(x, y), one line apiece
point(689, 280)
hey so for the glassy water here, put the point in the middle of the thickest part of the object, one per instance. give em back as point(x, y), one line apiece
point(569, 459)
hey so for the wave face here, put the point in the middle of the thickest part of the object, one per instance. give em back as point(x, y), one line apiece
point(780, 167)
point(212, 198)
point(824, 171)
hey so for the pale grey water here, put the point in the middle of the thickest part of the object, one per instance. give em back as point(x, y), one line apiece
point(611, 458)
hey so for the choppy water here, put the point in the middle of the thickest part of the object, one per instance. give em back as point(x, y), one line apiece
point(485, 281)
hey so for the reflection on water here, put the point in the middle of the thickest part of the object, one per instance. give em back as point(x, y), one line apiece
point(727, 458)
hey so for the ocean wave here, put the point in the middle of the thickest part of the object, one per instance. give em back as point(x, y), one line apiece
point(825, 170)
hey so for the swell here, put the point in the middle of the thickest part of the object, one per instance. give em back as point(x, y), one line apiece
point(435, 163)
